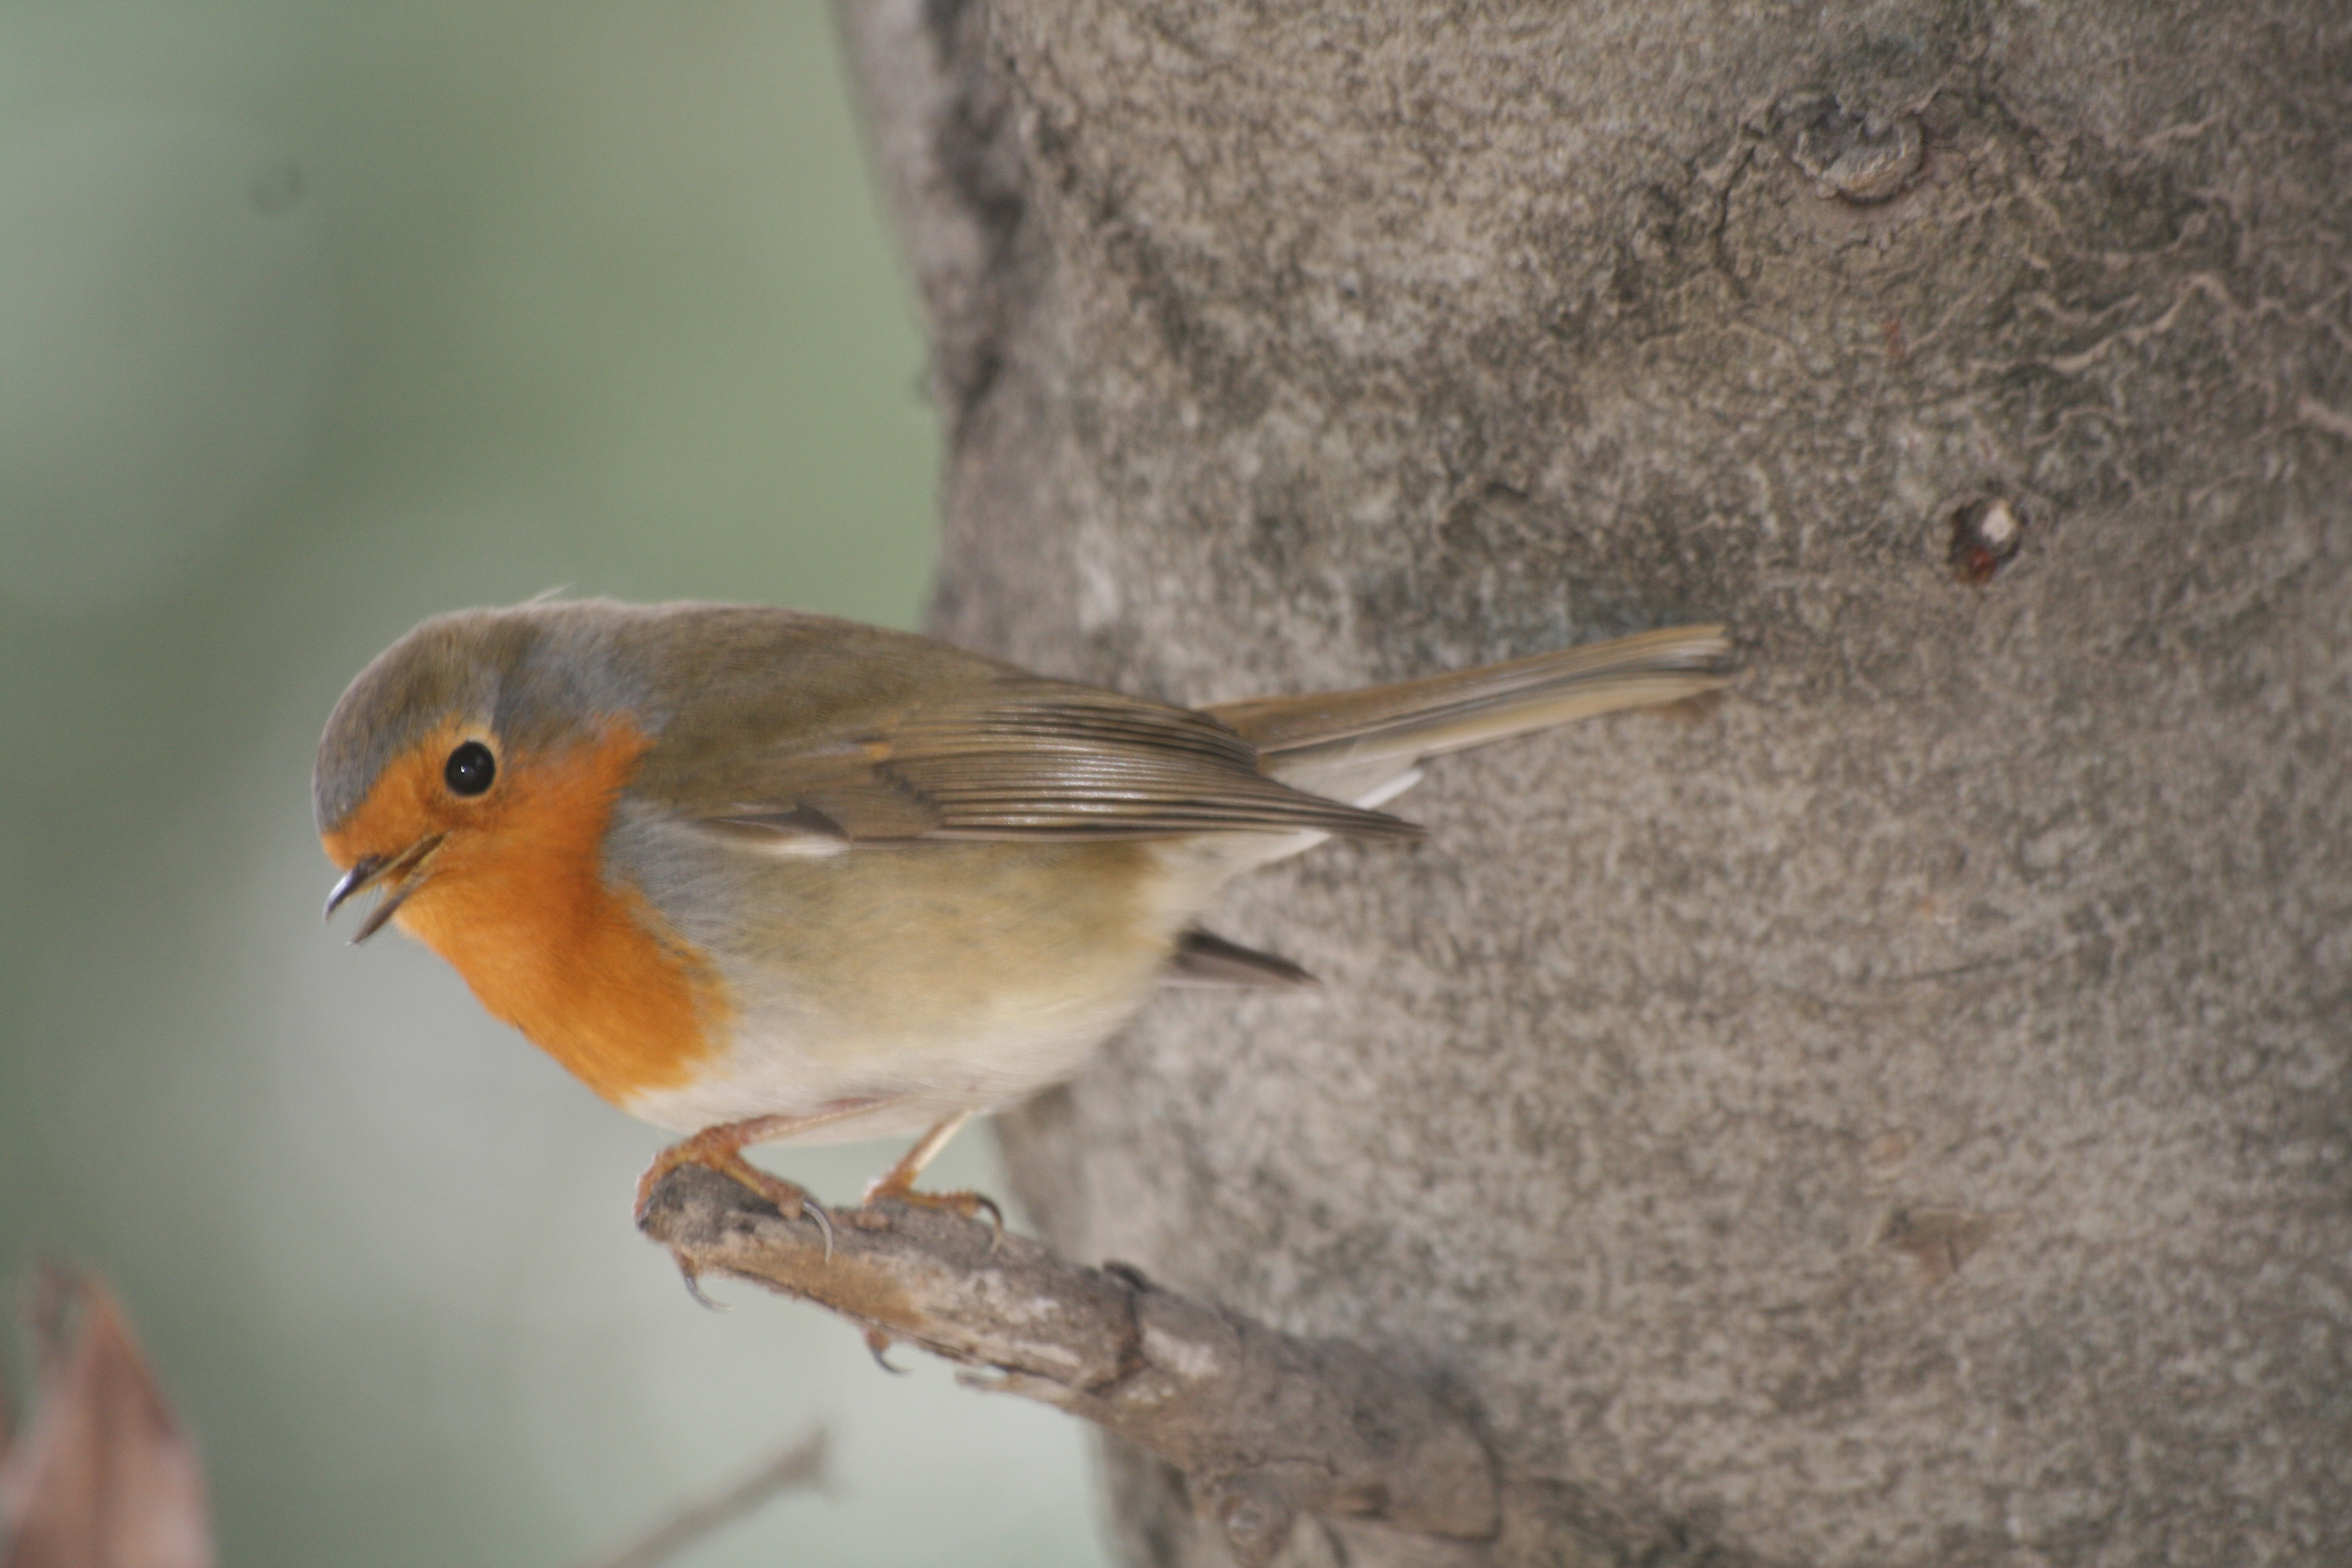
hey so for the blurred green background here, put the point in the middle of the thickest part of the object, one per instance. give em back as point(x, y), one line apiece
point(316, 319)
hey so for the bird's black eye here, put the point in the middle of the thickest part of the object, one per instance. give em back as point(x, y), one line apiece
point(470, 769)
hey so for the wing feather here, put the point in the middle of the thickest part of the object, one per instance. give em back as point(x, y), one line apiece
point(1017, 757)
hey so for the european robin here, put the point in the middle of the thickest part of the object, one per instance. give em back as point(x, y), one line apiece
point(768, 875)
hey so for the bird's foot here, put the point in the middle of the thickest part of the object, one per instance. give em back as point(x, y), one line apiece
point(899, 1182)
point(721, 1149)
point(970, 1205)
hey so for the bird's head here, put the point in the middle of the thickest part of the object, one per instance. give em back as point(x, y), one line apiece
point(459, 748)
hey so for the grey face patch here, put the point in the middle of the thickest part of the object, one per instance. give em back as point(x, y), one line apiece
point(531, 676)
point(449, 666)
point(580, 664)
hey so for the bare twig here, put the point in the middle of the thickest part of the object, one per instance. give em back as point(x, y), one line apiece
point(800, 1465)
point(1264, 1426)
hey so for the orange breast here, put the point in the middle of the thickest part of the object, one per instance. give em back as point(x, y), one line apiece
point(516, 902)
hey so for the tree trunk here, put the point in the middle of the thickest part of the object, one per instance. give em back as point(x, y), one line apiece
point(1904, 1116)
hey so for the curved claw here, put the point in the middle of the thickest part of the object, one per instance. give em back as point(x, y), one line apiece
point(693, 1279)
point(816, 1211)
point(995, 1218)
point(877, 1345)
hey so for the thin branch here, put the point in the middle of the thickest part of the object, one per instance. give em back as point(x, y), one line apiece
point(1266, 1426)
point(802, 1464)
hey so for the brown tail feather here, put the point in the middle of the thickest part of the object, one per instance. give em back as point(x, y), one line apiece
point(1301, 737)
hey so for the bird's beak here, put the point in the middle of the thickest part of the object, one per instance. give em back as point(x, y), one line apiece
point(405, 872)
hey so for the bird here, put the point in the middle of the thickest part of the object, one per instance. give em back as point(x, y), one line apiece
point(755, 875)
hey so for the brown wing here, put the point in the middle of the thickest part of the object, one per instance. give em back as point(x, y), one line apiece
point(1014, 756)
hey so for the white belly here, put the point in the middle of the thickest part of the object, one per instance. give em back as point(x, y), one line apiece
point(927, 980)
point(914, 1079)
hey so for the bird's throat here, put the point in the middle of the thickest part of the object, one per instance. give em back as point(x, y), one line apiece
point(589, 971)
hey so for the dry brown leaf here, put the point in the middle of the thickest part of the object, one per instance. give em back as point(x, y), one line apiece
point(102, 1477)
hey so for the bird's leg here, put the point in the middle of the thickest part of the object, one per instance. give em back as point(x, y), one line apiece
point(898, 1180)
point(721, 1149)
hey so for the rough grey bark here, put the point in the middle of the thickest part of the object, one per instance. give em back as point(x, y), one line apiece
point(1905, 1118)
